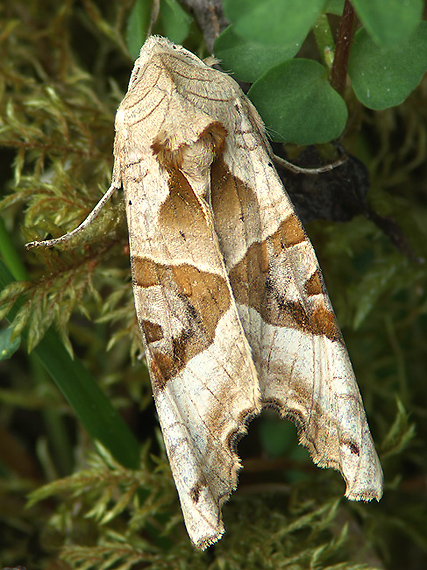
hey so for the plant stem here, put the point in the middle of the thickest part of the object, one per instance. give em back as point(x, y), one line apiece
point(342, 50)
point(324, 39)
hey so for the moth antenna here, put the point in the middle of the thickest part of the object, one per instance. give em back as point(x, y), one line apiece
point(86, 222)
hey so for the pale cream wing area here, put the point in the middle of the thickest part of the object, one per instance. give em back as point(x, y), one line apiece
point(228, 293)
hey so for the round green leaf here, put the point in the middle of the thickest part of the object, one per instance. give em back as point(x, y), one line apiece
point(391, 22)
point(138, 24)
point(297, 103)
point(383, 78)
point(249, 59)
point(176, 22)
point(273, 21)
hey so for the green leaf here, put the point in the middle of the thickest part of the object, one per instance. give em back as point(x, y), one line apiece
point(93, 408)
point(297, 103)
point(8, 346)
point(383, 78)
point(334, 7)
point(389, 23)
point(283, 22)
point(247, 58)
point(176, 22)
point(138, 25)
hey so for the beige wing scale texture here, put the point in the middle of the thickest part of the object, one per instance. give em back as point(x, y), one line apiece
point(228, 292)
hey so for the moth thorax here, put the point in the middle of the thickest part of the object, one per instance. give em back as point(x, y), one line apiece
point(197, 158)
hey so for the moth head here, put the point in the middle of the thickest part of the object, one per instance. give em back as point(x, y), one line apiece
point(164, 48)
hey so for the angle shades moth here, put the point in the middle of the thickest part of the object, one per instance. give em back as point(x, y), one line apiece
point(228, 292)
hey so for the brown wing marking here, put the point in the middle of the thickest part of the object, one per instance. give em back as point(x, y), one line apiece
point(254, 281)
point(196, 299)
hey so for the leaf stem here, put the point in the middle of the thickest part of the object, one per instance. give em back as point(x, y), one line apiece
point(324, 40)
point(342, 50)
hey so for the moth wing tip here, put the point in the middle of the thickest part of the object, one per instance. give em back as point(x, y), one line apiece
point(210, 538)
point(365, 496)
point(365, 493)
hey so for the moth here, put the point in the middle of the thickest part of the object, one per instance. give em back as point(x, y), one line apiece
point(229, 296)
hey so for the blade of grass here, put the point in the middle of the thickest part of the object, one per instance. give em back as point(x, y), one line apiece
point(54, 421)
point(10, 254)
point(92, 407)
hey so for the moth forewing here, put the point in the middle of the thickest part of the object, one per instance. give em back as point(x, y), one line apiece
point(204, 381)
point(303, 366)
point(229, 296)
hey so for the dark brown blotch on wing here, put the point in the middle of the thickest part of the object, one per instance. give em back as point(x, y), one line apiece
point(237, 222)
point(197, 299)
point(197, 489)
point(254, 284)
point(319, 321)
point(235, 206)
point(152, 331)
point(249, 278)
point(291, 233)
point(181, 213)
point(314, 284)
